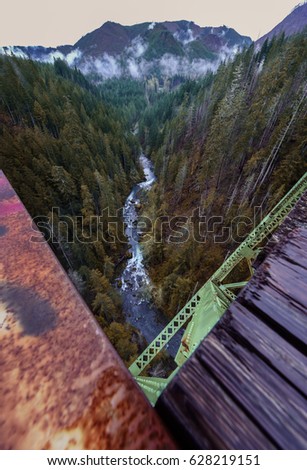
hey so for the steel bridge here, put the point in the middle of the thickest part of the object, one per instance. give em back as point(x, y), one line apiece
point(209, 304)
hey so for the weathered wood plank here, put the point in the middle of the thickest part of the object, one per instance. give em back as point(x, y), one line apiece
point(278, 353)
point(257, 388)
point(278, 293)
point(208, 417)
point(273, 306)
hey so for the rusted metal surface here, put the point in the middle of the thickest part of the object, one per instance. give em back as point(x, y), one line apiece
point(246, 385)
point(62, 385)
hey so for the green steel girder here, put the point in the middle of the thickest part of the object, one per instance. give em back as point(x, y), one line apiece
point(265, 228)
point(233, 285)
point(154, 386)
point(208, 305)
point(214, 303)
point(166, 334)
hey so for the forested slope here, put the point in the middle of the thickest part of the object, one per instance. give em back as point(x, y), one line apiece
point(62, 147)
point(224, 144)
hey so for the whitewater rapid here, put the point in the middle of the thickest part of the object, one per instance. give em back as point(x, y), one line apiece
point(136, 285)
point(135, 276)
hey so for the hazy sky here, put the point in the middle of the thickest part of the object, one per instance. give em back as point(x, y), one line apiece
point(55, 22)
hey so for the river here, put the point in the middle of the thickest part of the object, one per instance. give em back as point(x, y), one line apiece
point(135, 290)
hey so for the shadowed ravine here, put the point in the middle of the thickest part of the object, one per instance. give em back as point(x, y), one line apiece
point(136, 285)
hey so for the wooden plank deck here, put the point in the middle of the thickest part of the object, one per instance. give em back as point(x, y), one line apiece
point(246, 385)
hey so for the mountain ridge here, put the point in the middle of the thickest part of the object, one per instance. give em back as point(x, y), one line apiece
point(162, 49)
point(144, 48)
point(293, 23)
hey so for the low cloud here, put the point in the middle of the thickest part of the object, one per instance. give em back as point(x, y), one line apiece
point(132, 63)
point(184, 36)
point(169, 65)
point(73, 57)
point(172, 65)
point(52, 56)
point(108, 66)
point(137, 48)
point(228, 53)
point(13, 51)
